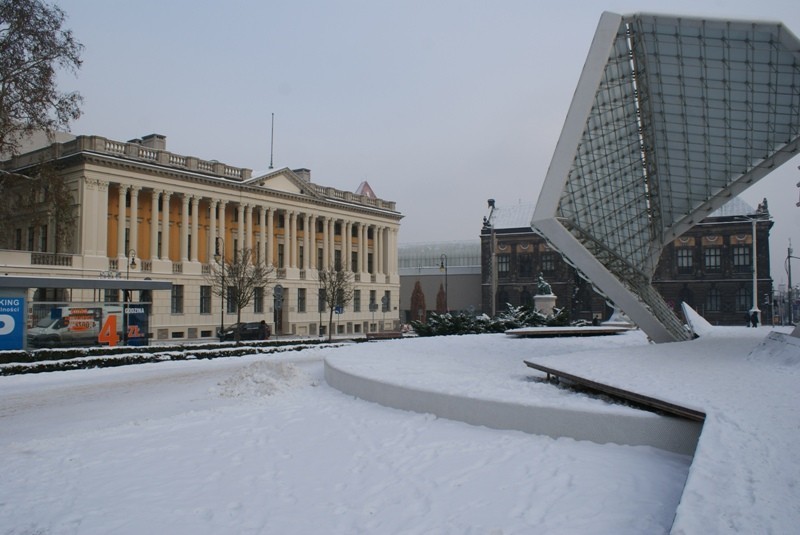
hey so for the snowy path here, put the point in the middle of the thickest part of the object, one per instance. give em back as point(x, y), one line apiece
point(249, 445)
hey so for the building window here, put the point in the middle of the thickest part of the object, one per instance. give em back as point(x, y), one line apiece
point(743, 299)
point(230, 301)
point(712, 259)
point(258, 300)
point(354, 261)
point(205, 300)
point(713, 301)
point(321, 300)
point(337, 259)
point(30, 238)
point(369, 263)
point(301, 299)
point(301, 256)
point(280, 255)
point(159, 245)
point(177, 299)
point(43, 238)
point(741, 258)
point(372, 300)
point(356, 300)
point(319, 258)
point(685, 260)
point(18, 239)
point(503, 264)
point(548, 262)
point(525, 262)
point(111, 296)
point(387, 301)
point(236, 250)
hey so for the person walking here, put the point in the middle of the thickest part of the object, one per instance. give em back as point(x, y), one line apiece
point(263, 331)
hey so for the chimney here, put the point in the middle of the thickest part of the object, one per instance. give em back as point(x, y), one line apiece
point(303, 173)
point(155, 141)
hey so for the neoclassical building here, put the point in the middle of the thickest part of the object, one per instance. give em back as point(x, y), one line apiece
point(144, 212)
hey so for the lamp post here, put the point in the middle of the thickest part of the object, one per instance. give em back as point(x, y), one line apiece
point(790, 289)
point(755, 276)
point(443, 269)
point(220, 257)
point(131, 263)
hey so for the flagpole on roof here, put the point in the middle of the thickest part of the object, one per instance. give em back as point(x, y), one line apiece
point(271, 140)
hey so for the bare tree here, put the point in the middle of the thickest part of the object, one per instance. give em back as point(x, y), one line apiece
point(237, 279)
point(337, 290)
point(41, 197)
point(33, 47)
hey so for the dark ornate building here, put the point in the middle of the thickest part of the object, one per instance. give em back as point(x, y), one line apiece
point(709, 267)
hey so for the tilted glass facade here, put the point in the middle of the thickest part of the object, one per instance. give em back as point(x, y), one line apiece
point(673, 116)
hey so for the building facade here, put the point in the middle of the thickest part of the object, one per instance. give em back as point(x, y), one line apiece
point(439, 277)
point(144, 212)
point(710, 267)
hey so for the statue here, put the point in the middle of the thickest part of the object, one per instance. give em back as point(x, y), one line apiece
point(543, 288)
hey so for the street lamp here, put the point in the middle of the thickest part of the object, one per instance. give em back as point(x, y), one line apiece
point(754, 260)
point(131, 263)
point(443, 268)
point(789, 274)
point(220, 257)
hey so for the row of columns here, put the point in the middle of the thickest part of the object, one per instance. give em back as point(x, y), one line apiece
point(384, 237)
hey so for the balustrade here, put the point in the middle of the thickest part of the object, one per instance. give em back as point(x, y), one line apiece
point(51, 259)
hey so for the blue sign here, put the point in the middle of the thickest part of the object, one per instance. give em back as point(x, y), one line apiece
point(338, 309)
point(12, 322)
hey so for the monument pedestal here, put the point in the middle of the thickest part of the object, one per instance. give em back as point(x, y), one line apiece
point(545, 303)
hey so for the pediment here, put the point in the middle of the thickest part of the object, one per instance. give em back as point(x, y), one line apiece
point(284, 180)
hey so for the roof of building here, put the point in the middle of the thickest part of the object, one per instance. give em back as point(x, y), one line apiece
point(512, 216)
point(458, 253)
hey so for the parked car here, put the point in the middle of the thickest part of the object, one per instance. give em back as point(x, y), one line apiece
point(247, 331)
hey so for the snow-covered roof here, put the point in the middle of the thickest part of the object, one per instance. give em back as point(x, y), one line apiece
point(512, 216)
point(734, 207)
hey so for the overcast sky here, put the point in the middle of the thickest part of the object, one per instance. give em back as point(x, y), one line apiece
point(440, 105)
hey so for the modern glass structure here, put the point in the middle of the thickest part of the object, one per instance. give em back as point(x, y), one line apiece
point(672, 117)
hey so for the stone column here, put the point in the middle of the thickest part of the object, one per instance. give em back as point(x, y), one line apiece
point(378, 264)
point(240, 229)
point(165, 225)
point(134, 220)
point(195, 228)
point(326, 261)
point(270, 236)
point(310, 249)
point(222, 208)
point(292, 239)
point(121, 223)
point(212, 230)
point(184, 254)
point(248, 239)
point(364, 268)
point(262, 234)
point(154, 225)
point(332, 239)
point(347, 246)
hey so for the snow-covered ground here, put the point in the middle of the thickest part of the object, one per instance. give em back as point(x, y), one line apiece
point(262, 444)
